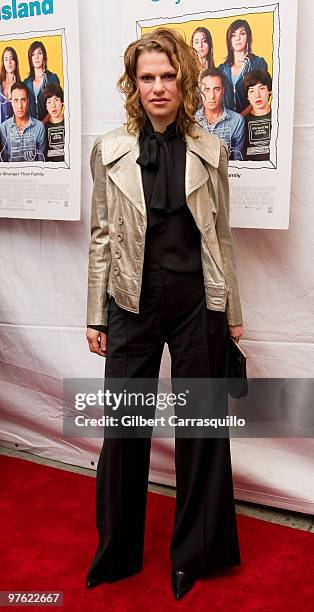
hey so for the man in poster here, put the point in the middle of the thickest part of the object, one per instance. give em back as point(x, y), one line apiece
point(23, 137)
point(213, 117)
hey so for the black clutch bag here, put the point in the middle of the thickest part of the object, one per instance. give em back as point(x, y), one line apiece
point(237, 379)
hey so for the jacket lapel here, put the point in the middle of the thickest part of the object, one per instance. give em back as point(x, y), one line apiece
point(127, 175)
point(201, 167)
point(124, 150)
point(195, 173)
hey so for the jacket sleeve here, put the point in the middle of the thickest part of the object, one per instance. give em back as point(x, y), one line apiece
point(261, 64)
point(41, 144)
point(238, 139)
point(223, 230)
point(99, 249)
point(55, 79)
point(3, 142)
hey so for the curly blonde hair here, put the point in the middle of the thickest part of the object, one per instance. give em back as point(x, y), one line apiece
point(184, 60)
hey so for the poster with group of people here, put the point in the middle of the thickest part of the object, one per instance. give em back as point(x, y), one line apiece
point(39, 139)
point(247, 71)
point(247, 62)
point(235, 95)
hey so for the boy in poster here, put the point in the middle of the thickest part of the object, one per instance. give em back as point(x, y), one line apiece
point(53, 95)
point(258, 87)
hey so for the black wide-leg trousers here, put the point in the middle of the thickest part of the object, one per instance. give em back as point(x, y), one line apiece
point(173, 310)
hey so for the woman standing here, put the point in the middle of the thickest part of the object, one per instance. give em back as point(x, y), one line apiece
point(202, 42)
point(39, 77)
point(240, 60)
point(9, 74)
point(161, 269)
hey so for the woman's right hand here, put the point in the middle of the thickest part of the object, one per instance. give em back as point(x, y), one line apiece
point(97, 341)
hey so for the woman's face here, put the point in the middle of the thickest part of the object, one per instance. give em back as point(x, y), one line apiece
point(200, 44)
point(239, 39)
point(38, 58)
point(9, 63)
point(156, 79)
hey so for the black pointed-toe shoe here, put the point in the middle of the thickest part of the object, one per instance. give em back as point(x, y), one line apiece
point(94, 581)
point(91, 583)
point(181, 583)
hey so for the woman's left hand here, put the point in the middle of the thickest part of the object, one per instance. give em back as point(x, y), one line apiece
point(236, 331)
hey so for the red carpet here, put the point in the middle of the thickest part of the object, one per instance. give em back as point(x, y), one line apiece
point(48, 540)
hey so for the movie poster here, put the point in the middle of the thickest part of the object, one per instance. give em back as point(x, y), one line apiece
point(253, 47)
point(40, 135)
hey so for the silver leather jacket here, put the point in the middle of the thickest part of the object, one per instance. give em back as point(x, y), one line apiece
point(118, 223)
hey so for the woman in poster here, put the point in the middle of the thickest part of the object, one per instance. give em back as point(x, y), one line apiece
point(240, 60)
point(202, 42)
point(160, 262)
point(9, 74)
point(39, 77)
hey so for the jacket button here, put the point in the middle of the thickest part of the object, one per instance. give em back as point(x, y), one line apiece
point(118, 254)
point(119, 237)
point(120, 220)
point(116, 271)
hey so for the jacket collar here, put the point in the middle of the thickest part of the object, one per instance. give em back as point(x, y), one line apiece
point(204, 122)
point(119, 142)
point(206, 148)
point(120, 150)
point(12, 123)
